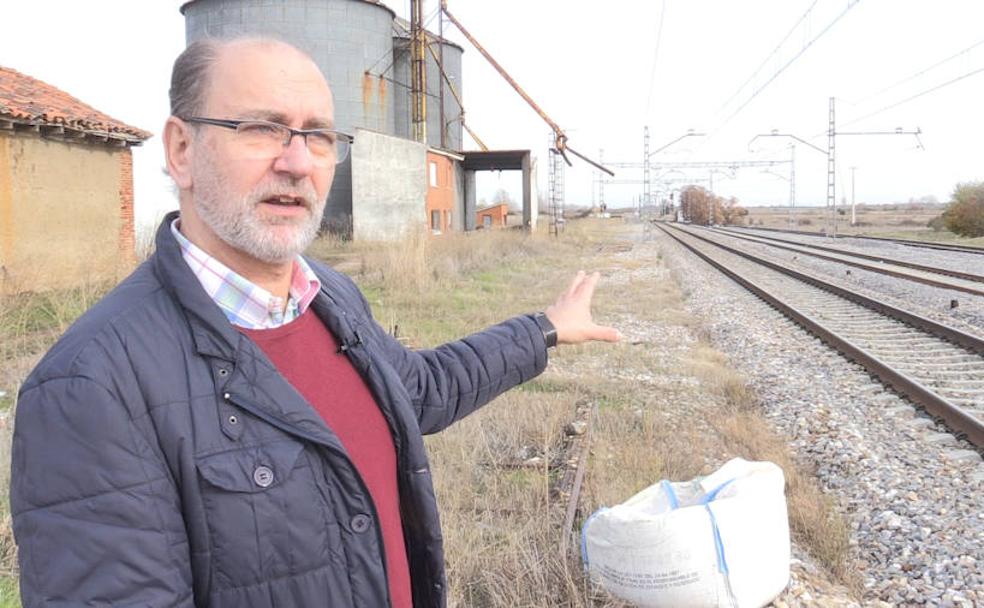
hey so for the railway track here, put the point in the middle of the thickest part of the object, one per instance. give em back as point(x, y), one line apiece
point(935, 366)
point(921, 273)
point(907, 242)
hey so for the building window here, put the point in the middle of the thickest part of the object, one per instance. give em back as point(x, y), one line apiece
point(433, 175)
point(435, 221)
point(486, 219)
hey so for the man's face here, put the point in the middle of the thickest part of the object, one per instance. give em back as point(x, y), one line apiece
point(268, 209)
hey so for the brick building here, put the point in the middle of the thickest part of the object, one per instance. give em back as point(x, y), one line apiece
point(441, 195)
point(66, 188)
point(492, 217)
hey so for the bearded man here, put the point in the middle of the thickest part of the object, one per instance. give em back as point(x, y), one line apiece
point(230, 427)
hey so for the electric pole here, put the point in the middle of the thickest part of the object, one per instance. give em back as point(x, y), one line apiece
point(854, 217)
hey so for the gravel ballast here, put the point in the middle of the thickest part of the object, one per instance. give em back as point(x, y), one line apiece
point(911, 491)
point(926, 300)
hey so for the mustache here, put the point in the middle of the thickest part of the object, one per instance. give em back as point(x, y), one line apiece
point(304, 192)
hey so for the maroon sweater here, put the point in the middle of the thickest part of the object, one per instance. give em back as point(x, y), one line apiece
point(306, 353)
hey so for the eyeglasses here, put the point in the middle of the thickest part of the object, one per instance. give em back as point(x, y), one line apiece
point(263, 140)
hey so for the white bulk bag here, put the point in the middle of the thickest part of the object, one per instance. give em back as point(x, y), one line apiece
point(720, 540)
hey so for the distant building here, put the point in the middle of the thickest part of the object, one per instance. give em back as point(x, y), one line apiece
point(66, 188)
point(493, 217)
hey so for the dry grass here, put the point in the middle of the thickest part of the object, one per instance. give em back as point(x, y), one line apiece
point(495, 473)
point(890, 221)
point(814, 522)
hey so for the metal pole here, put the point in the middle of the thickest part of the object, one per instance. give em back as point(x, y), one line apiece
point(601, 182)
point(646, 192)
point(831, 170)
point(792, 182)
point(854, 217)
point(440, 69)
point(418, 71)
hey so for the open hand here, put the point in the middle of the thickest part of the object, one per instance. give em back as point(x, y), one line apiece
point(571, 313)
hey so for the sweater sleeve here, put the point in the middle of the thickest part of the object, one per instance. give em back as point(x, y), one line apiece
point(96, 515)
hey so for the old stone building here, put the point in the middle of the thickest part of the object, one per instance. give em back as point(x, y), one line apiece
point(66, 188)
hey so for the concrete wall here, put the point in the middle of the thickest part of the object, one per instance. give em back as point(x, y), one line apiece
point(66, 213)
point(389, 186)
point(458, 215)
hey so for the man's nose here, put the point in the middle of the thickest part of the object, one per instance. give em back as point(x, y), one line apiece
point(295, 158)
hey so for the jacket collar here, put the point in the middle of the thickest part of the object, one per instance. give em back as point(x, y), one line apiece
point(213, 334)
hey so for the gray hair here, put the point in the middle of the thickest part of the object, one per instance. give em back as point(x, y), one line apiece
point(190, 76)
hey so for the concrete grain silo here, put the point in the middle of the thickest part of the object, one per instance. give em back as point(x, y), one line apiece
point(401, 74)
point(344, 37)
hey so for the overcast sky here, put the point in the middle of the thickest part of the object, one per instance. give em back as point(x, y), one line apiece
point(729, 69)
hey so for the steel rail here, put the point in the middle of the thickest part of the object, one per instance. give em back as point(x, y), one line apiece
point(582, 444)
point(954, 416)
point(967, 276)
point(894, 273)
point(909, 242)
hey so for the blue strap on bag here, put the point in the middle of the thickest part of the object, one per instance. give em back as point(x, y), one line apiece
point(584, 536)
point(718, 544)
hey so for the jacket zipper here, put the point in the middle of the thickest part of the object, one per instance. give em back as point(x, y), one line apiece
point(288, 428)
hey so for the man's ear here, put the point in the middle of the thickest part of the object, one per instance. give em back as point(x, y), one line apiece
point(178, 141)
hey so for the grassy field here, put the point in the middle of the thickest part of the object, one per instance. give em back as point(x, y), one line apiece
point(894, 221)
point(665, 403)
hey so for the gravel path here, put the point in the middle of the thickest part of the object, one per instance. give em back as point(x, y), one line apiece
point(912, 492)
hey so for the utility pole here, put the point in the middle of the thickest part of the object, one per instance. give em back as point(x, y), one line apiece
point(555, 184)
point(418, 71)
point(601, 181)
point(440, 81)
point(831, 171)
point(854, 217)
point(646, 191)
point(832, 133)
point(792, 181)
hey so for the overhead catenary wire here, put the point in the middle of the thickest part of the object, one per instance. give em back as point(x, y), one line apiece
point(916, 96)
point(785, 66)
point(652, 73)
point(770, 55)
point(922, 71)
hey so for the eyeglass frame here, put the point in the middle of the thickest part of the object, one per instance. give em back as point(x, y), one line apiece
point(234, 124)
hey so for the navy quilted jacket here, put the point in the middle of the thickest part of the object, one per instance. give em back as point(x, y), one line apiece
point(160, 460)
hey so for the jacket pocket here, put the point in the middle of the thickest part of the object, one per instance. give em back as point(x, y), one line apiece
point(266, 516)
point(257, 469)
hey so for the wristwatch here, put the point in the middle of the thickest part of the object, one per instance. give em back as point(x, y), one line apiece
point(548, 329)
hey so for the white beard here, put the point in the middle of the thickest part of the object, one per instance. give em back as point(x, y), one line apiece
point(238, 223)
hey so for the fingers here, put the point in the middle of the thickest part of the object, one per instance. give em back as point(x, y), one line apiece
point(586, 288)
point(575, 283)
point(606, 334)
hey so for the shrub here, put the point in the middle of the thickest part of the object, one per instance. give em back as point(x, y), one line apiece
point(938, 224)
point(804, 221)
point(965, 214)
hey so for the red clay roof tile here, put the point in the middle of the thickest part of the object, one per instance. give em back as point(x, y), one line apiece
point(27, 99)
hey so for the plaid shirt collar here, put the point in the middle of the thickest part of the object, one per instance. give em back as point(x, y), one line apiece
point(244, 303)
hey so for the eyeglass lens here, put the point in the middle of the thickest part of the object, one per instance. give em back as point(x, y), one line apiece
point(266, 140)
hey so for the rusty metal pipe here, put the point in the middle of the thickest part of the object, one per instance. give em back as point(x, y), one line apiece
point(561, 141)
point(499, 68)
